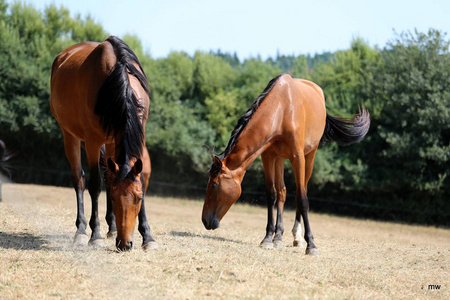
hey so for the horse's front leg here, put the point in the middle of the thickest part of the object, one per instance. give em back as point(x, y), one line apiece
point(267, 242)
point(279, 228)
point(108, 151)
point(72, 147)
point(281, 199)
point(148, 242)
point(110, 217)
point(95, 187)
point(268, 163)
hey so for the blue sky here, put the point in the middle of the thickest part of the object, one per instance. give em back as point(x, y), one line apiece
point(259, 27)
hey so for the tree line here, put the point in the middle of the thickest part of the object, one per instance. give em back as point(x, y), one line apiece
point(401, 171)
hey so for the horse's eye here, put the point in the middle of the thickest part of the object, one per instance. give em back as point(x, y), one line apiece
point(140, 199)
point(214, 185)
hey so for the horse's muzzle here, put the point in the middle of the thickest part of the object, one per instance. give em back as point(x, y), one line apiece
point(211, 222)
point(124, 246)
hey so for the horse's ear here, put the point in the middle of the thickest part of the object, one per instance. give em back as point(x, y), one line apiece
point(137, 168)
point(112, 166)
point(217, 161)
point(216, 167)
point(210, 151)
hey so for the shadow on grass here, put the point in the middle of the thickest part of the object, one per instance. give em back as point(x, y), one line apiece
point(27, 241)
point(204, 236)
point(22, 241)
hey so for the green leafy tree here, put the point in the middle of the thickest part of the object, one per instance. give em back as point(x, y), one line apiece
point(211, 74)
point(343, 80)
point(400, 171)
point(254, 76)
point(223, 110)
point(171, 78)
point(29, 41)
point(413, 132)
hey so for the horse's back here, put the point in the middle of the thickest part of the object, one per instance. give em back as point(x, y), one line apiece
point(78, 72)
point(305, 113)
point(306, 84)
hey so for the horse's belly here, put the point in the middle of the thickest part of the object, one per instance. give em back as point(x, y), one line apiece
point(74, 119)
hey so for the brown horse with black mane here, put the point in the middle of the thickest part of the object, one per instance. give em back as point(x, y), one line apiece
point(287, 121)
point(100, 95)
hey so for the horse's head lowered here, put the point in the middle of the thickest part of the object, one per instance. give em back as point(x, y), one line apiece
point(126, 191)
point(223, 190)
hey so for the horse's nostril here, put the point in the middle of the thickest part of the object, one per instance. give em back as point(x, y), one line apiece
point(211, 223)
point(124, 246)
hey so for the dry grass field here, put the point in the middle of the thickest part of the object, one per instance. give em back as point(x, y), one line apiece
point(359, 259)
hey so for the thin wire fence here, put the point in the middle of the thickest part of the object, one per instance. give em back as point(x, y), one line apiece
point(249, 197)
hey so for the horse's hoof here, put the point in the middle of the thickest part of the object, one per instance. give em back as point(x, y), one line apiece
point(80, 240)
point(312, 251)
point(111, 235)
point(97, 243)
point(266, 245)
point(150, 246)
point(278, 244)
point(298, 243)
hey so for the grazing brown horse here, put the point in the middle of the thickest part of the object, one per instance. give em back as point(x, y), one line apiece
point(100, 95)
point(287, 121)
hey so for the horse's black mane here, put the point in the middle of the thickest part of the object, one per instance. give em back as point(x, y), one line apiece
point(243, 121)
point(118, 107)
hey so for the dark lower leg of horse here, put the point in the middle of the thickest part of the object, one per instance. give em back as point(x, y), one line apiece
point(95, 187)
point(148, 242)
point(81, 222)
point(311, 248)
point(80, 238)
point(279, 228)
point(110, 217)
point(267, 242)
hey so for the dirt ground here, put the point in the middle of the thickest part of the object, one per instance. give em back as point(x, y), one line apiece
point(359, 259)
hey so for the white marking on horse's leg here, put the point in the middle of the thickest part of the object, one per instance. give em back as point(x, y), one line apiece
point(297, 233)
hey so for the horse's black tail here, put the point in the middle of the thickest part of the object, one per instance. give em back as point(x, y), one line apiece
point(346, 131)
point(117, 105)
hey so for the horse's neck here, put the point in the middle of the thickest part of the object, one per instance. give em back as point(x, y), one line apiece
point(252, 141)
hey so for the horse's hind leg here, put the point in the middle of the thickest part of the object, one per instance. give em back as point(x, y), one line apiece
point(281, 199)
point(299, 165)
point(95, 187)
point(72, 148)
